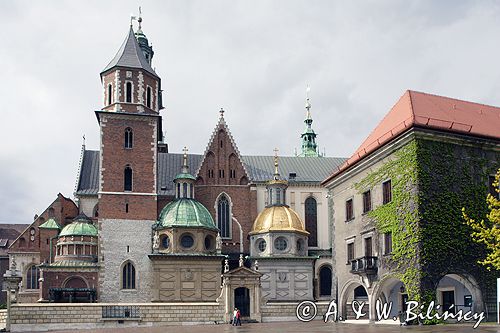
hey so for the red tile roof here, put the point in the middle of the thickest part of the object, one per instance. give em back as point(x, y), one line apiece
point(417, 109)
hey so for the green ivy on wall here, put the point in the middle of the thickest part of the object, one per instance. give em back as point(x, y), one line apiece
point(431, 182)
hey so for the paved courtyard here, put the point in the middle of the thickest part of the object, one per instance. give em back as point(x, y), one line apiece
point(303, 328)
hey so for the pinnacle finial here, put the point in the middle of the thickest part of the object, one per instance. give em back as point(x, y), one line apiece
point(140, 17)
point(185, 150)
point(276, 173)
point(221, 112)
point(308, 104)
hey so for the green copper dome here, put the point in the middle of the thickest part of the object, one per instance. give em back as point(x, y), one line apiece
point(79, 228)
point(184, 175)
point(50, 224)
point(187, 213)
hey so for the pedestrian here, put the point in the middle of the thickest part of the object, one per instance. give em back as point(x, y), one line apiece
point(235, 313)
point(238, 317)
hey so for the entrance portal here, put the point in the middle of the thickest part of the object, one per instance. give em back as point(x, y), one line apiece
point(242, 300)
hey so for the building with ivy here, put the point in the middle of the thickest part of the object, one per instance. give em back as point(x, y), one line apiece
point(397, 206)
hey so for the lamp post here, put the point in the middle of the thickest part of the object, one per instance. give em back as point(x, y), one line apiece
point(11, 280)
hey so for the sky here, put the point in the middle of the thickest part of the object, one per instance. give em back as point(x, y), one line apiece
point(253, 58)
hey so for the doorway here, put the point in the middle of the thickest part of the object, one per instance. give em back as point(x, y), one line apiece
point(448, 297)
point(242, 301)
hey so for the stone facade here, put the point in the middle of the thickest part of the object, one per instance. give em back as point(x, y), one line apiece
point(123, 241)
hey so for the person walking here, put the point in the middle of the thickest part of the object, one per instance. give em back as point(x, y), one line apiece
point(235, 313)
point(238, 317)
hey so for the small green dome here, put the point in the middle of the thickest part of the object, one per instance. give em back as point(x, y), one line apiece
point(79, 228)
point(187, 213)
point(184, 175)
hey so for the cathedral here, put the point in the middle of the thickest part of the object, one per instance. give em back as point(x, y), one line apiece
point(176, 232)
point(149, 225)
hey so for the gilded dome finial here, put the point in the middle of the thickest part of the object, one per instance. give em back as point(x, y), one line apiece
point(276, 172)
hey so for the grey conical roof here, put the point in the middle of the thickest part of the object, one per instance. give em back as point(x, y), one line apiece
point(130, 55)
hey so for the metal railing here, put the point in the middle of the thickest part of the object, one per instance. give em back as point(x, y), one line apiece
point(121, 311)
point(364, 265)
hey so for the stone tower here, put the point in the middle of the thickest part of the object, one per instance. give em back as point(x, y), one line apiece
point(130, 129)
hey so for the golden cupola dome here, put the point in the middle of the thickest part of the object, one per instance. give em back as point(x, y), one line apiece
point(278, 219)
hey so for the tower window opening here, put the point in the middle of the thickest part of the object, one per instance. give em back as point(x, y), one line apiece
point(223, 216)
point(128, 92)
point(127, 176)
point(148, 97)
point(110, 94)
point(126, 208)
point(129, 136)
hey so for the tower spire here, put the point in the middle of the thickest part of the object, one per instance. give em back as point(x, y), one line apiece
point(309, 146)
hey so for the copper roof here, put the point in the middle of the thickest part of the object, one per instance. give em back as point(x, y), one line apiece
point(417, 109)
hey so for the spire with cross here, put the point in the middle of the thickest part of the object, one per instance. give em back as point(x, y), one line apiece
point(309, 146)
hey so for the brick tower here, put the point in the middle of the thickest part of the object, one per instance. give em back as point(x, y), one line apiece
point(130, 128)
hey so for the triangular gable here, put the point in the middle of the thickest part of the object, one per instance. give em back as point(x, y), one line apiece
point(242, 272)
point(221, 124)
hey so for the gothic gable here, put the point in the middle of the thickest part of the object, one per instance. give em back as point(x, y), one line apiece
point(222, 163)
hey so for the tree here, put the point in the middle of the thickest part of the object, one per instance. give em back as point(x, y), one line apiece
point(487, 231)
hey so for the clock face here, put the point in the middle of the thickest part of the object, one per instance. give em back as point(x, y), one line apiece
point(32, 231)
point(32, 238)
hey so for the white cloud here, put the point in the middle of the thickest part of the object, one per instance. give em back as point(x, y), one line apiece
point(252, 58)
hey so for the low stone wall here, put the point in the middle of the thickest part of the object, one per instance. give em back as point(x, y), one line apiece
point(3, 318)
point(43, 317)
point(281, 311)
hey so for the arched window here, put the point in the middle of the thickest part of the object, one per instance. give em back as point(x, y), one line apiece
point(128, 92)
point(110, 94)
point(51, 212)
point(223, 216)
point(325, 281)
point(128, 276)
point(148, 97)
point(185, 190)
point(127, 178)
point(312, 220)
point(32, 275)
point(129, 138)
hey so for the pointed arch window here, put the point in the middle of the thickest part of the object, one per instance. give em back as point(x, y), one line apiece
point(127, 178)
point(223, 216)
point(128, 276)
point(311, 209)
point(129, 138)
point(32, 276)
point(148, 97)
point(128, 92)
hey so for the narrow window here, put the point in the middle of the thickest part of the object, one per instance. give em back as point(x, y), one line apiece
point(32, 275)
point(311, 210)
point(148, 97)
point(129, 137)
point(368, 247)
point(223, 216)
point(127, 176)
point(185, 190)
point(387, 191)
point(388, 243)
point(350, 252)
point(126, 208)
point(349, 212)
point(178, 190)
point(128, 276)
point(128, 92)
point(110, 94)
point(367, 202)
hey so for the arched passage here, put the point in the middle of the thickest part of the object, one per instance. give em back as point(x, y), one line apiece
point(391, 290)
point(460, 290)
point(75, 282)
point(352, 291)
